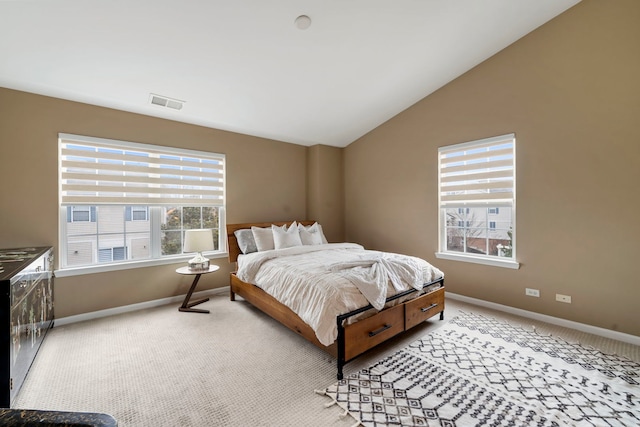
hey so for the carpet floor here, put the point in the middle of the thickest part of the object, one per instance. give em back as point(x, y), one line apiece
point(479, 371)
point(232, 367)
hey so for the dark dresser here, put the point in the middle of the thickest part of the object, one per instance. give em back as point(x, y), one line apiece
point(26, 313)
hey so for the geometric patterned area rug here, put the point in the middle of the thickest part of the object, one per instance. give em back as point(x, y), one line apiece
point(478, 371)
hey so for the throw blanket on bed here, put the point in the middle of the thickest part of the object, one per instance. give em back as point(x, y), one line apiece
point(317, 282)
point(372, 275)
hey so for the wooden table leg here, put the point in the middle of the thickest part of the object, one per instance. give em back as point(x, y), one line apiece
point(186, 305)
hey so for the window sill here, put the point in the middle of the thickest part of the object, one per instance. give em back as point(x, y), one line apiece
point(103, 268)
point(493, 261)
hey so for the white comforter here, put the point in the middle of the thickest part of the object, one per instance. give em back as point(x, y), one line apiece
point(320, 282)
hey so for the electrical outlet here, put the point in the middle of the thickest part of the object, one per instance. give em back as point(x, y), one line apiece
point(532, 292)
point(563, 298)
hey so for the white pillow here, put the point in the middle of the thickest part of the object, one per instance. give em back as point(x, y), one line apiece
point(246, 241)
point(263, 238)
point(324, 239)
point(317, 228)
point(286, 238)
point(309, 238)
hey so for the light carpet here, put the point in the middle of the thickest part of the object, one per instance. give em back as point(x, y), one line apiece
point(233, 367)
point(478, 371)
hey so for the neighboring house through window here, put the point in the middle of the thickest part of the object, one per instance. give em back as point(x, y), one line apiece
point(477, 195)
point(126, 202)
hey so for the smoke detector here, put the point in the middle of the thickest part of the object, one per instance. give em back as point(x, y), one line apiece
point(303, 22)
point(165, 101)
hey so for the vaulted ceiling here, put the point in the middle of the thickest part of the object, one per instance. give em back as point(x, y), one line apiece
point(246, 66)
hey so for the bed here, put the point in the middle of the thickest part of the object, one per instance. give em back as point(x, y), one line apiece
point(351, 322)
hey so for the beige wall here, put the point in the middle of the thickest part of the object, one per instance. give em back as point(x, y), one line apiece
point(570, 91)
point(325, 190)
point(266, 181)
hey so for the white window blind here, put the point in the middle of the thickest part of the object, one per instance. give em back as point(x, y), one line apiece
point(96, 171)
point(478, 173)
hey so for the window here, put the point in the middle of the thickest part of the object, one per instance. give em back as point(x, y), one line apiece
point(112, 254)
point(128, 203)
point(477, 182)
point(81, 214)
point(137, 213)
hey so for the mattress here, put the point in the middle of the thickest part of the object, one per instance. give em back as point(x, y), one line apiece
point(320, 282)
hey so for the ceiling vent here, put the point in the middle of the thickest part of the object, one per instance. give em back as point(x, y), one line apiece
point(164, 101)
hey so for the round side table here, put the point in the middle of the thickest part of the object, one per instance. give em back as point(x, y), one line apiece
point(186, 305)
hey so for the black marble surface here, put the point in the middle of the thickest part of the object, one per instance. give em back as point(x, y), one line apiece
point(12, 260)
point(34, 418)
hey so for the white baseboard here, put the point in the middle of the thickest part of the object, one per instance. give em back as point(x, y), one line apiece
point(133, 307)
point(607, 333)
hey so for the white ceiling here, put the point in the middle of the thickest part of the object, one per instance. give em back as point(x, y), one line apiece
point(243, 66)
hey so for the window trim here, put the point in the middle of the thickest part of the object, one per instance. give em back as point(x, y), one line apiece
point(485, 260)
point(155, 257)
point(490, 260)
point(127, 265)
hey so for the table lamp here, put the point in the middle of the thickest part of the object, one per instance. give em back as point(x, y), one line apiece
point(198, 241)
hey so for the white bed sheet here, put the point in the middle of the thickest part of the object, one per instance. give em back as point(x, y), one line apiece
point(317, 282)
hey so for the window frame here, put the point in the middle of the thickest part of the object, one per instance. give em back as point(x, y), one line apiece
point(153, 213)
point(489, 205)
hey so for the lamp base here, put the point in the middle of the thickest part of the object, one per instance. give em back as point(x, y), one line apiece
point(198, 263)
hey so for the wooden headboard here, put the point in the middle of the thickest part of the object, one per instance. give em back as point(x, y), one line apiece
point(232, 242)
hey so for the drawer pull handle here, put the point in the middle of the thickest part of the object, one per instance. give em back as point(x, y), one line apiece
point(377, 331)
point(429, 308)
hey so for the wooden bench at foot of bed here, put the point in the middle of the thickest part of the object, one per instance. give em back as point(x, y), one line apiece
point(356, 338)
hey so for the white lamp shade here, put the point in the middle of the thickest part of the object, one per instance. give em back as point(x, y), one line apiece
point(198, 240)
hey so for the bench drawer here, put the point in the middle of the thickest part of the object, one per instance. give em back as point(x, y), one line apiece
point(369, 332)
point(424, 307)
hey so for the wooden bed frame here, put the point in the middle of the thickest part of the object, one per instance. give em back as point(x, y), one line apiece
point(353, 339)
